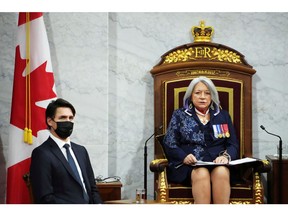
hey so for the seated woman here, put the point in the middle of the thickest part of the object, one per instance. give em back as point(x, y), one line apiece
point(201, 130)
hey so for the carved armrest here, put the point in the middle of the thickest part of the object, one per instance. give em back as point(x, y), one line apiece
point(262, 166)
point(251, 171)
point(158, 165)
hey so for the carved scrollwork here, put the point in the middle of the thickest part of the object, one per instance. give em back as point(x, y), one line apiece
point(162, 187)
point(240, 202)
point(197, 53)
point(203, 72)
point(258, 189)
point(180, 56)
point(182, 202)
point(225, 56)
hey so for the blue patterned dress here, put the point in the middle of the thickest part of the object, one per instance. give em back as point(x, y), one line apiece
point(186, 134)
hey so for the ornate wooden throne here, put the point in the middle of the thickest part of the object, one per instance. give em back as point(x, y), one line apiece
point(232, 75)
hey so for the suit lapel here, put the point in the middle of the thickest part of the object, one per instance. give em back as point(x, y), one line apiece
point(57, 152)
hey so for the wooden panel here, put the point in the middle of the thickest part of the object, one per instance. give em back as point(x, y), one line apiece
point(110, 191)
point(273, 181)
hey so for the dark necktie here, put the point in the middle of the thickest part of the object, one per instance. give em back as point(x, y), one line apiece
point(74, 168)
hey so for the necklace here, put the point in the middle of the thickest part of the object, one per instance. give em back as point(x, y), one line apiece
point(203, 118)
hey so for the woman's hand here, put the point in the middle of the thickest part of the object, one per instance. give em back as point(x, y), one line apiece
point(189, 159)
point(221, 160)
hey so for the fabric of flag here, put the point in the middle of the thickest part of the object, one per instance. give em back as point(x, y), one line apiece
point(33, 89)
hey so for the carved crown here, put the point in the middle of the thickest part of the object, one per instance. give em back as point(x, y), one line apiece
point(202, 33)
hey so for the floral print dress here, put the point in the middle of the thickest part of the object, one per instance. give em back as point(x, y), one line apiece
point(186, 134)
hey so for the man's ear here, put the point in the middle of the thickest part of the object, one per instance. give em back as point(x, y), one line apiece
point(49, 121)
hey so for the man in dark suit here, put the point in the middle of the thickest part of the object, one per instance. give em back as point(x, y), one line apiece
point(52, 176)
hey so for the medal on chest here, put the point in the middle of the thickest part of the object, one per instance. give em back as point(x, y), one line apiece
point(221, 131)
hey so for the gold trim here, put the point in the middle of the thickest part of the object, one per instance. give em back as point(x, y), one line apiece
point(230, 92)
point(202, 72)
point(242, 188)
point(162, 187)
point(202, 33)
point(258, 189)
point(266, 162)
point(202, 52)
point(182, 202)
point(240, 202)
point(157, 161)
point(176, 96)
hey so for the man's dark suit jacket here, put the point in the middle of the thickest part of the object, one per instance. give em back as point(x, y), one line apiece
point(52, 178)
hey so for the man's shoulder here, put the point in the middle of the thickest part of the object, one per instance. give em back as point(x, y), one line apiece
point(76, 145)
point(45, 144)
point(78, 148)
point(42, 149)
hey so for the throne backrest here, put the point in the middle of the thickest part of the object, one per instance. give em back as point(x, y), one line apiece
point(226, 67)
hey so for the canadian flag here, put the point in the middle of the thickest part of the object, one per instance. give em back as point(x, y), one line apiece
point(33, 89)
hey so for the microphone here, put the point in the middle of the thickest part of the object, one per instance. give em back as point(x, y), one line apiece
point(279, 166)
point(145, 159)
point(263, 128)
point(160, 127)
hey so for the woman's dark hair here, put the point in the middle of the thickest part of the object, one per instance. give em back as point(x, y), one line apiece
point(53, 105)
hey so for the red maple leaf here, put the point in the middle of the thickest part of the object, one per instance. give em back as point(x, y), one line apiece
point(41, 84)
point(32, 16)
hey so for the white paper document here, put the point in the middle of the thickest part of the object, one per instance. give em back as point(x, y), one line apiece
point(242, 160)
point(233, 162)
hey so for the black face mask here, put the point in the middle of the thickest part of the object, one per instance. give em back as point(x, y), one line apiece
point(64, 129)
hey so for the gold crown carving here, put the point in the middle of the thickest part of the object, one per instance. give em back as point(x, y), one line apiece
point(202, 33)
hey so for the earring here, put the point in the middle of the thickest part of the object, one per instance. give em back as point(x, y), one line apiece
point(190, 106)
point(212, 107)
